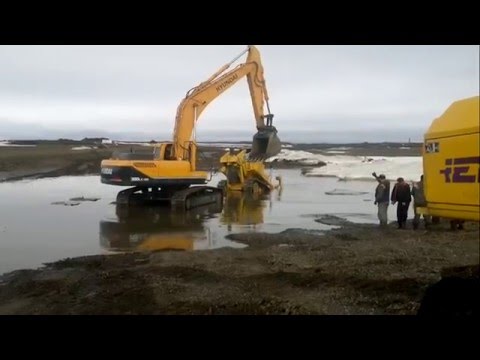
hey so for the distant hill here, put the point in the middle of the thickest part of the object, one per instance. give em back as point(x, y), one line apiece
point(89, 141)
point(94, 140)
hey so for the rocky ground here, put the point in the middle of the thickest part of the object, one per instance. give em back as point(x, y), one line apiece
point(353, 269)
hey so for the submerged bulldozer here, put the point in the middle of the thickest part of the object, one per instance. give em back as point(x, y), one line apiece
point(246, 174)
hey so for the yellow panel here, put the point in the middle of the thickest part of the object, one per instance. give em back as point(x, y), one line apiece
point(167, 241)
point(159, 169)
point(462, 117)
point(451, 162)
point(451, 174)
point(451, 211)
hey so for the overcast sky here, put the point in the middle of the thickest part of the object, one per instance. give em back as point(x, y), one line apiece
point(317, 93)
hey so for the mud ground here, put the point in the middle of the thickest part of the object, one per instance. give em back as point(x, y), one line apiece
point(52, 160)
point(49, 160)
point(353, 269)
point(55, 158)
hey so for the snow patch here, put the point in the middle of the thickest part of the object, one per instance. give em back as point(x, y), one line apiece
point(7, 144)
point(347, 167)
point(77, 148)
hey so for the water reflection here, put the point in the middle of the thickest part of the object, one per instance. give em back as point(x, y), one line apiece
point(241, 209)
point(157, 228)
point(74, 231)
point(146, 228)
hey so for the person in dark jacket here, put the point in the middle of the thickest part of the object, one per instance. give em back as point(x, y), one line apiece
point(382, 195)
point(401, 194)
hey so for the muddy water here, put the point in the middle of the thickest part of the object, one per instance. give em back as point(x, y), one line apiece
point(33, 231)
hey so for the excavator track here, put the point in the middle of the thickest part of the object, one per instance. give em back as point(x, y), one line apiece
point(141, 195)
point(185, 199)
point(128, 196)
point(196, 196)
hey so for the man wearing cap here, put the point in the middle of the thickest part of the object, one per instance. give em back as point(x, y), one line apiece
point(382, 198)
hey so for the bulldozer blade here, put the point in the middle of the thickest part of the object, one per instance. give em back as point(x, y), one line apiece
point(265, 144)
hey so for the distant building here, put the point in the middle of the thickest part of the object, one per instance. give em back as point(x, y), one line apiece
point(107, 142)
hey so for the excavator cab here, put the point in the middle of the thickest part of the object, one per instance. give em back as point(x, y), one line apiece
point(266, 142)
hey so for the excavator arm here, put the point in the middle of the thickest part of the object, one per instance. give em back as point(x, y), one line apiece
point(265, 143)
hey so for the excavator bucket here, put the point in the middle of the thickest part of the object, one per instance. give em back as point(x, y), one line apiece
point(265, 144)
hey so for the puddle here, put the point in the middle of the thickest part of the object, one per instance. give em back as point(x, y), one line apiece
point(32, 231)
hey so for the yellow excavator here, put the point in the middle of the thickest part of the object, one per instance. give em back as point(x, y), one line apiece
point(170, 171)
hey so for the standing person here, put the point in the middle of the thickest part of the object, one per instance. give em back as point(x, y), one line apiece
point(382, 196)
point(401, 194)
point(419, 200)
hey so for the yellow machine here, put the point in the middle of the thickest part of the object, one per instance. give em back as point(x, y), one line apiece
point(245, 175)
point(243, 209)
point(451, 163)
point(153, 228)
point(169, 173)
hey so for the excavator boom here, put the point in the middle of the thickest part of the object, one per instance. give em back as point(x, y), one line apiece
point(266, 142)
